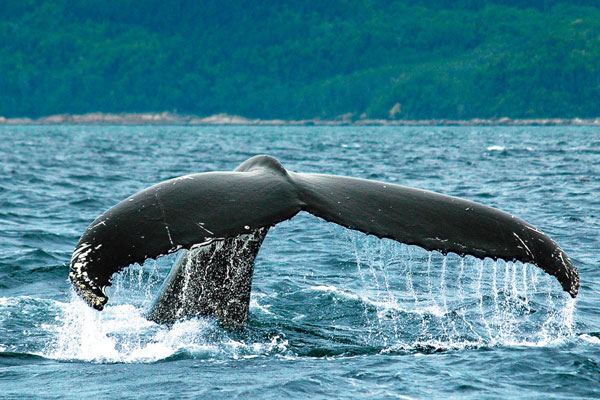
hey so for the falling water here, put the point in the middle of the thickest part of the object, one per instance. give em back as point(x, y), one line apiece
point(410, 300)
point(461, 302)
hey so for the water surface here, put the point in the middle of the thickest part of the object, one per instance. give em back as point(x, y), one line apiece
point(334, 313)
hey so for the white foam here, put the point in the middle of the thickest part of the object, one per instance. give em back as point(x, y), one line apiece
point(254, 305)
point(332, 289)
point(590, 338)
point(122, 334)
point(496, 148)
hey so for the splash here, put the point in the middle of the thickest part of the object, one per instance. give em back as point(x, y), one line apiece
point(429, 300)
point(122, 333)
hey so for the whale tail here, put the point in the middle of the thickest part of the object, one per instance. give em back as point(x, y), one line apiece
point(218, 209)
point(214, 278)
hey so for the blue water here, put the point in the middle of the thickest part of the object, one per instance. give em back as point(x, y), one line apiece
point(334, 313)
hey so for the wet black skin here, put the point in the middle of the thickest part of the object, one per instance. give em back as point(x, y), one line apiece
point(204, 209)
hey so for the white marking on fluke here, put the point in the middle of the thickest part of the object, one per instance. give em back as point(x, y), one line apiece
point(523, 243)
point(169, 233)
point(201, 226)
point(103, 223)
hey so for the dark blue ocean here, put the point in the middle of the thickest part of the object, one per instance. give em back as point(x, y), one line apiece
point(334, 313)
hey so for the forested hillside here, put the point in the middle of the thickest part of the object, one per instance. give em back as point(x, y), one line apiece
point(302, 59)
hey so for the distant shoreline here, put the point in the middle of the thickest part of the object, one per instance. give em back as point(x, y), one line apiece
point(166, 118)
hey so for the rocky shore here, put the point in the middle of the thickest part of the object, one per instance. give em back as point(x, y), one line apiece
point(167, 118)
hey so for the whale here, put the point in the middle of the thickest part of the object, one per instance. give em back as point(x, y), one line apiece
point(218, 221)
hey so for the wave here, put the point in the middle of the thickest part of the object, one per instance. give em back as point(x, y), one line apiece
point(10, 359)
point(15, 277)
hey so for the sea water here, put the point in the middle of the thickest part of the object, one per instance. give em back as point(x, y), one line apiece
point(333, 313)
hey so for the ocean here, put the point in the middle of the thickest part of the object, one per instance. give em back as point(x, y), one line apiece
point(334, 313)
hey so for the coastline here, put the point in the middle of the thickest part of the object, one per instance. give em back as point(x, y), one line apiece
point(167, 118)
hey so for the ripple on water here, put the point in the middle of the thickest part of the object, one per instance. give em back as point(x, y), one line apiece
point(332, 314)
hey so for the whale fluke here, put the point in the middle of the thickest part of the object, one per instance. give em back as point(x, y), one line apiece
point(202, 209)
